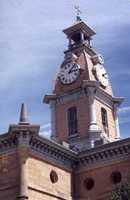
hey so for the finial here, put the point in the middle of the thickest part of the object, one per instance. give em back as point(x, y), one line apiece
point(23, 115)
point(78, 18)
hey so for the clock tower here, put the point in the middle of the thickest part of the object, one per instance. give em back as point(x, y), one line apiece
point(83, 108)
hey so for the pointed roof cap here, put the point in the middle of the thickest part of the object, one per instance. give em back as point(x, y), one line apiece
point(23, 115)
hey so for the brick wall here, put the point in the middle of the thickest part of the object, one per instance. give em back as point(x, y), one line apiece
point(40, 185)
point(9, 176)
point(110, 117)
point(102, 178)
point(82, 114)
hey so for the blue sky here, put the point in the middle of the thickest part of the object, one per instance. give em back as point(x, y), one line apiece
point(31, 51)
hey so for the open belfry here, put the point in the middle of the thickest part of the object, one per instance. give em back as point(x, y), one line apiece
point(85, 158)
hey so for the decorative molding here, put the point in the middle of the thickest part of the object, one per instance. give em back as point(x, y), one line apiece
point(70, 97)
point(53, 151)
point(105, 99)
point(106, 153)
point(100, 95)
point(46, 193)
point(49, 97)
point(65, 157)
point(8, 187)
point(53, 118)
point(7, 143)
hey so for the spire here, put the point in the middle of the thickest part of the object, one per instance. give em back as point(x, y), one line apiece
point(23, 115)
point(78, 18)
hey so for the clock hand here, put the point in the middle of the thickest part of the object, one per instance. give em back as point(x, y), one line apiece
point(71, 70)
point(75, 70)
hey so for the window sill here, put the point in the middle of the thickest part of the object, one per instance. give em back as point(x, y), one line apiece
point(73, 136)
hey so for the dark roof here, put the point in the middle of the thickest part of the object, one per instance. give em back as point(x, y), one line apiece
point(79, 26)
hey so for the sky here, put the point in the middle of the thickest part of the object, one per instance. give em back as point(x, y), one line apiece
point(32, 46)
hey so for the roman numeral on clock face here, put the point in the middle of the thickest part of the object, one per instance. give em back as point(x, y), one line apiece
point(69, 73)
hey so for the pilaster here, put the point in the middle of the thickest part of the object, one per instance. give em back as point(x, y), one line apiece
point(53, 118)
point(93, 122)
point(23, 148)
point(90, 89)
point(116, 103)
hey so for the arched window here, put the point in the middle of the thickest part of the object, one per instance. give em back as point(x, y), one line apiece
point(104, 121)
point(72, 121)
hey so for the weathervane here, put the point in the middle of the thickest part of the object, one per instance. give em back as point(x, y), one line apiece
point(78, 18)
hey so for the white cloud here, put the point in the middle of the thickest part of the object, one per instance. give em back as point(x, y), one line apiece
point(124, 110)
point(46, 126)
point(45, 133)
point(124, 120)
point(124, 115)
point(45, 130)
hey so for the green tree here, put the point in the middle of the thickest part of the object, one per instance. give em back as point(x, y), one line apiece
point(121, 192)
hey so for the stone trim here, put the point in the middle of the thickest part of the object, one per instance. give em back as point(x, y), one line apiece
point(115, 150)
point(53, 151)
point(46, 193)
point(67, 158)
point(79, 26)
point(70, 97)
point(103, 163)
point(49, 97)
point(53, 118)
point(105, 156)
point(7, 144)
point(100, 95)
point(107, 146)
point(106, 153)
point(10, 187)
point(31, 128)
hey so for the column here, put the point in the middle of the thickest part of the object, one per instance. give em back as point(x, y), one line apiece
point(53, 118)
point(23, 191)
point(116, 121)
point(82, 36)
point(93, 123)
point(23, 141)
point(70, 43)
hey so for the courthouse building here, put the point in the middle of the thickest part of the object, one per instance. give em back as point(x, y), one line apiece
point(85, 157)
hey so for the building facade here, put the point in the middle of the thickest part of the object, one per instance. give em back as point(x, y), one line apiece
point(85, 157)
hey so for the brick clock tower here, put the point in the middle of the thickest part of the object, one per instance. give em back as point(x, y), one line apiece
point(84, 159)
point(83, 108)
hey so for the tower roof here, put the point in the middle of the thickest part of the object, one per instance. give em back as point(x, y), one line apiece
point(79, 26)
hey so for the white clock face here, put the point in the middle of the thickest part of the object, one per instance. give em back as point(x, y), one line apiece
point(101, 75)
point(69, 73)
point(100, 59)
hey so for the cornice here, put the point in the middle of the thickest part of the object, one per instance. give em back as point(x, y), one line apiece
point(79, 26)
point(66, 157)
point(16, 128)
point(53, 151)
point(49, 97)
point(110, 145)
point(7, 143)
point(105, 153)
point(99, 95)
point(108, 152)
point(80, 48)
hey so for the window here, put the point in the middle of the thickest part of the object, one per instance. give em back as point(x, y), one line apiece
point(72, 121)
point(104, 120)
point(116, 177)
point(53, 176)
point(89, 183)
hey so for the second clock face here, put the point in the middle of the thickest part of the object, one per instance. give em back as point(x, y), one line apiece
point(101, 75)
point(69, 73)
